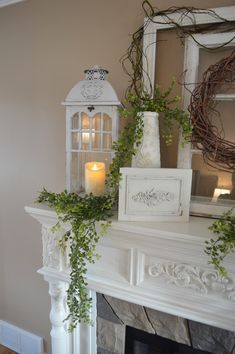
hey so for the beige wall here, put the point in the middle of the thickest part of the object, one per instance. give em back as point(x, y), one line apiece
point(45, 45)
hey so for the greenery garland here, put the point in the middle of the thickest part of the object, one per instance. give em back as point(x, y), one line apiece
point(224, 243)
point(82, 213)
point(161, 102)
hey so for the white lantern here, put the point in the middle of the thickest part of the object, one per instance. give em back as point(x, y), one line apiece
point(92, 124)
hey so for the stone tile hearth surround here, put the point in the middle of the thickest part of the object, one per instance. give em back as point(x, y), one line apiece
point(114, 315)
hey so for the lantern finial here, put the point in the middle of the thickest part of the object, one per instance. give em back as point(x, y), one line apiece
point(95, 73)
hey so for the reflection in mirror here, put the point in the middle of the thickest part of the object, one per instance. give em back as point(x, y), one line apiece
point(168, 65)
point(207, 58)
point(210, 185)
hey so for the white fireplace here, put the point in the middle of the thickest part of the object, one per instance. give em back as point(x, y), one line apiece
point(161, 266)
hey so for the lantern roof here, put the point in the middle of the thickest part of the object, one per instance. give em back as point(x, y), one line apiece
point(94, 90)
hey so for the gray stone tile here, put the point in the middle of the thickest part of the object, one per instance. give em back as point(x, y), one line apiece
point(212, 339)
point(104, 310)
point(131, 314)
point(104, 351)
point(110, 336)
point(169, 326)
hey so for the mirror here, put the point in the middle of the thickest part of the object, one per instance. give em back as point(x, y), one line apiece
point(212, 189)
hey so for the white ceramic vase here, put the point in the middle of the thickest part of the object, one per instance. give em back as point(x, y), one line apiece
point(148, 152)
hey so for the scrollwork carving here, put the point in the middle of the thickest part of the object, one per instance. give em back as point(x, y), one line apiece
point(193, 277)
point(153, 197)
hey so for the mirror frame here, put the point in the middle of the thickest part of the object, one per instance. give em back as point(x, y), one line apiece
point(191, 61)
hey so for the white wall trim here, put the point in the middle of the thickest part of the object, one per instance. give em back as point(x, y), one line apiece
point(8, 2)
point(19, 340)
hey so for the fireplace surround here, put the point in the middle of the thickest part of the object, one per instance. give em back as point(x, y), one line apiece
point(155, 267)
point(118, 321)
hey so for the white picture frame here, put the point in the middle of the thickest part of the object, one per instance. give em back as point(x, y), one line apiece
point(154, 194)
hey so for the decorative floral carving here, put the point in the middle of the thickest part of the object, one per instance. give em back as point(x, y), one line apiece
point(187, 276)
point(52, 254)
point(153, 197)
point(92, 90)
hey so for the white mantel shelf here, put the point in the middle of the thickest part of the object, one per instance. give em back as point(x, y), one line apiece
point(159, 265)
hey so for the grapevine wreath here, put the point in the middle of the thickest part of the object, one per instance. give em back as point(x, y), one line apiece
point(208, 134)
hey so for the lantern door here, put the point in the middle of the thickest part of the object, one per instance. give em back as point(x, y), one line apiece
point(90, 135)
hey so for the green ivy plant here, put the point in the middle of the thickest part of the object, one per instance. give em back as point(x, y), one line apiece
point(124, 148)
point(140, 100)
point(82, 213)
point(219, 247)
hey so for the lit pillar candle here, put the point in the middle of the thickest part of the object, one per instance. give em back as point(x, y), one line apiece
point(94, 178)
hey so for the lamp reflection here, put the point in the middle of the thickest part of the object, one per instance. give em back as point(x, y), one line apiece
point(220, 193)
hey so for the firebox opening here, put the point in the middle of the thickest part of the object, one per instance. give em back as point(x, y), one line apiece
point(140, 342)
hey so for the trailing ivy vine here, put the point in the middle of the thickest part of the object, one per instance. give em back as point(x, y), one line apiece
point(81, 213)
point(124, 148)
point(218, 248)
point(161, 102)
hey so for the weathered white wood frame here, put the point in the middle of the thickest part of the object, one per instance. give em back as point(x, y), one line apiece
point(154, 194)
point(151, 29)
point(191, 62)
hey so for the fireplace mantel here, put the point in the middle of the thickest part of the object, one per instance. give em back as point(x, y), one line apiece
point(158, 265)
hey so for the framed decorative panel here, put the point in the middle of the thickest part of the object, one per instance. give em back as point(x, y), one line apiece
point(150, 194)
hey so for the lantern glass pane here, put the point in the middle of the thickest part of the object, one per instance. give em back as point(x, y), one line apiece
point(75, 140)
point(75, 121)
point(107, 141)
point(97, 142)
point(85, 121)
point(107, 123)
point(96, 122)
